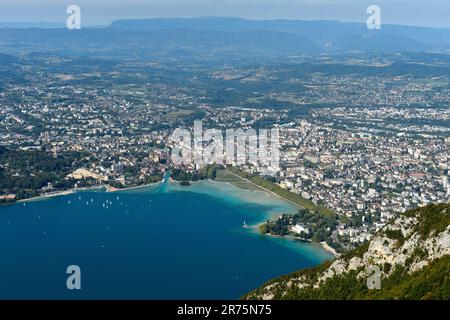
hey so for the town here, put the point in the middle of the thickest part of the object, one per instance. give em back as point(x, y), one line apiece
point(112, 126)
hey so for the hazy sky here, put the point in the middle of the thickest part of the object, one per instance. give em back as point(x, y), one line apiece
point(100, 12)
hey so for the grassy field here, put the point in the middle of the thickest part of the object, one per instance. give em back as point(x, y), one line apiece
point(233, 175)
point(179, 114)
point(226, 176)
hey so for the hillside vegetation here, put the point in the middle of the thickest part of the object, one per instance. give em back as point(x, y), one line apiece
point(412, 254)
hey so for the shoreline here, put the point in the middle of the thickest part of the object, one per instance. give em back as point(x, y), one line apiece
point(110, 189)
point(113, 189)
point(265, 190)
point(255, 227)
point(59, 193)
point(107, 188)
point(322, 244)
point(330, 249)
point(253, 192)
point(45, 196)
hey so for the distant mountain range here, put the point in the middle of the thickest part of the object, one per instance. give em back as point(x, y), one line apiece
point(26, 25)
point(325, 34)
point(200, 37)
point(410, 256)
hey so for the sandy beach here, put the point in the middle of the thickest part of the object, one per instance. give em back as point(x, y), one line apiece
point(48, 195)
point(329, 249)
point(113, 189)
point(59, 193)
point(108, 188)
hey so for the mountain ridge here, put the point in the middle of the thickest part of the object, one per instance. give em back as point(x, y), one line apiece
point(319, 31)
point(226, 37)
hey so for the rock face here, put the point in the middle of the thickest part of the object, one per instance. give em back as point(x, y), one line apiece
point(411, 257)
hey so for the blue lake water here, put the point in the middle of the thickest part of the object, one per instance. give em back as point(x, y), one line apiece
point(161, 242)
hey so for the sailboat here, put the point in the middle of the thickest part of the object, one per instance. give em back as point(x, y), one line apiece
point(245, 226)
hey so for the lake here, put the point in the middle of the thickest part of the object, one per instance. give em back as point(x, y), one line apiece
point(159, 242)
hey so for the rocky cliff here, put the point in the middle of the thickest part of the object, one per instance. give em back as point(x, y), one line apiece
point(407, 259)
